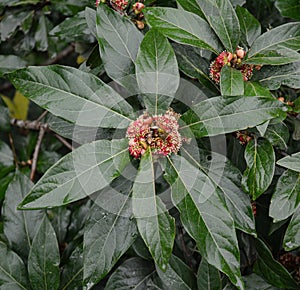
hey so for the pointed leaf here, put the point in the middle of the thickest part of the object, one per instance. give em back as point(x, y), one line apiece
point(183, 27)
point(271, 270)
point(228, 179)
point(178, 275)
point(119, 41)
point(276, 46)
point(155, 225)
point(10, 62)
point(6, 159)
point(134, 274)
point(220, 115)
point(231, 82)
point(255, 282)
point(78, 174)
point(273, 77)
point(291, 162)
point(208, 277)
point(108, 232)
point(289, 8)
point(286, 198)
point(255, 89)
point(278, 135)
point(12, 270)
point(72, 271)
point(250, 26)
point(260, 159)
point(291, 239)
point(19, 226)
point(205, 216)
point(44, 259)
point(74, 95)
point(157, 71)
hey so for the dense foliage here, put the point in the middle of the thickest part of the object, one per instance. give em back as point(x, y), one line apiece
point(149, 144)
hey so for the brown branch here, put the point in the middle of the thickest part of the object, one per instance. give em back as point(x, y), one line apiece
point(64, 141)
point(43, 129)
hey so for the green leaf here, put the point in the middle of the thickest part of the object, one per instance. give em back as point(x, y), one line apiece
point(177, 275)
point(72, 271)
point(4, 117)
point(291, 239)
point(255, 282)
point(208, 277)
point(6, 159)
point(271, 270)
point(74, 28)
point(228, 179)
point(183, 27)
point(74, 95)
point(109, 232)
point(155, 225)
point(19, 226)
point(278, 135)
point(255, 89)
point(260, 159)
point(44, 259)
point(78, 174)
point(205, 216)
point(41, 34)
point(13, 273)
point(231, 82)
point(134, 273)
point(157, 71)
point(191, 6)
point(277, 46)
point(10, 62)
point(286, 197)
point(289, 8)
point(119, 41)
point(291, 162)
point(273, 77)
point(250, 26)
point(4, 182)
point(226, 114)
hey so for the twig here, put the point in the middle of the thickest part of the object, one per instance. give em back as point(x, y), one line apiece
point(42, 116)
point(11, 141)
point(64, 141)
point(42, 131)
point(27, 125)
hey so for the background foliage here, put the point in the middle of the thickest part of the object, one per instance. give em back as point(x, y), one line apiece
point(58, 57)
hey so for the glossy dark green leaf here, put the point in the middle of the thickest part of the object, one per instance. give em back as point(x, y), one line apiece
point(291, 162)
point(177, 275)
point(4, 117)
point(277, 46)
point(78, 174)
point(289, 8)
point(19, 226)
point(135, 273)
point(183, 27)
point(260, 159)
point(157, 71)
point(220, 115)
point(4, 182)
point(74, 28)
point(291, 239)
point(155, 225)
point(41, 34)
point(90, 17)
point(273, 77)
point(255, 89)
point(13, 273)
point(278, 135)
point(271, 270)
point(191, 6)
point(44, 259)
point(208, 277)
point(76, 96)
point(231, 82)
point(228, 179)
point(237, 2)
point(205, 216)
point(255, 282)
point(10, 62)
point(46, 160)
point(72, 271)
point(109, 232)
point(6, 159)
point(250, 26)
point(119, 41)
point(286, 197)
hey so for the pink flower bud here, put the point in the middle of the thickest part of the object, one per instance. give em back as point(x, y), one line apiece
point(240, 52)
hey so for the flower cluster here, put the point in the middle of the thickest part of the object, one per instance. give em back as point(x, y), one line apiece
point(159, 133)
point(233, 60)
point(118, 5)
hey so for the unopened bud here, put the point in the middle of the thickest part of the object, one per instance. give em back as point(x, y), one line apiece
point(229, 56)
point(140, 24)
point(281, 99)
point(137, 7)
point(240, 52)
